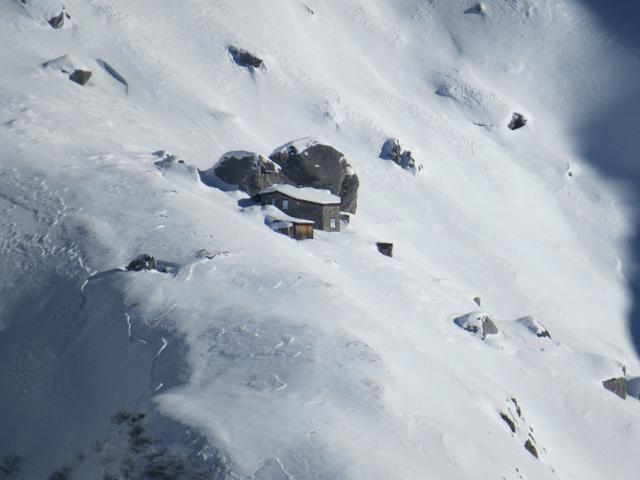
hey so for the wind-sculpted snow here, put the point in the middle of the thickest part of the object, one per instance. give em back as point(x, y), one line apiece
point(246, 354)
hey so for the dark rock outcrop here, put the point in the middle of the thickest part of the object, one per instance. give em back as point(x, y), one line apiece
point(392, 150)
point(244, 58)
point(385, 248)
point(310, 164)
point(517, 121)
point(57, 21)
point(617, 386)
point(531, 448)
point(81, 77)
point(143, 262)
point(478, 9)
point(246, 171)
point(509, 421)
point(478, 323)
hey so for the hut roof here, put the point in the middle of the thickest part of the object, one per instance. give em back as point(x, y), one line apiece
point(307, 194)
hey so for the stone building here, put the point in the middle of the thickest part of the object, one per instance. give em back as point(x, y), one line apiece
point(320, 206)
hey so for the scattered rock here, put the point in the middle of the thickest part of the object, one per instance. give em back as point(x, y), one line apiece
point(244, 58)
point(307, 163)
point(531, 448)
point(617, 386)
point(534, 326)
point(385, 248)
point(507, 419)
point(517, 121)
point(478, 301)
point(81, 77)
point(246, 171)
point(142, 262)
point(391, 150)
point(517, 407)
point(478, 9)
point(478, 323)
point(57, 21)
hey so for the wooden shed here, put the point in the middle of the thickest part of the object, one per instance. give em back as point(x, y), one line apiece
point(280, 222)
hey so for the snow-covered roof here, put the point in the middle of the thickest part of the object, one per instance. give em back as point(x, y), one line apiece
point(307, 194)
point(273, 216)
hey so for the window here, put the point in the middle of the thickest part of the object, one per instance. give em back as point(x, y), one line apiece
point(333, 223)
point(285, 204)
point(273, 202)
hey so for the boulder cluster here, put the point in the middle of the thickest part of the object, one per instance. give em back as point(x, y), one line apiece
point(391, 150)
point(302, 163)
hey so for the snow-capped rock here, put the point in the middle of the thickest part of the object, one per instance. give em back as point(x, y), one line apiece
point(478, 323)
point(305, 162)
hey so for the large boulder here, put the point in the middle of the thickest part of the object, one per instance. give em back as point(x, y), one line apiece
point(244, 58)
point(81, 77)
point(246, 171)
point(478, 323)
point(392, 150)
point(71, 67)
point(143, 262)
point(617, 386)
point(308, 163)
point(518, 120)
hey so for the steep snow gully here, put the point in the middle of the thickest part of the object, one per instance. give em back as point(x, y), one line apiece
point(499, 341)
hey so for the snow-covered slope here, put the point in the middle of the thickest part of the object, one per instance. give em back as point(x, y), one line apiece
point(277, 359)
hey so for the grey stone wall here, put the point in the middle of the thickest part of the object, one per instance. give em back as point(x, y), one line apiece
point(321, 215)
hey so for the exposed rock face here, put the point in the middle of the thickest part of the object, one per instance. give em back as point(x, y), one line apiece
point(385, 248)
point(478, 323)
point(57, 21)
point(509, 421)
point(246, 171)
point(81, 77)
point(617, 386)
point(392, 150)
point(517, 121)
point(244, 58)
point(478, 9)
point(531, 448)
point(307, 163)
point(349, 194)
point(143, 262)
